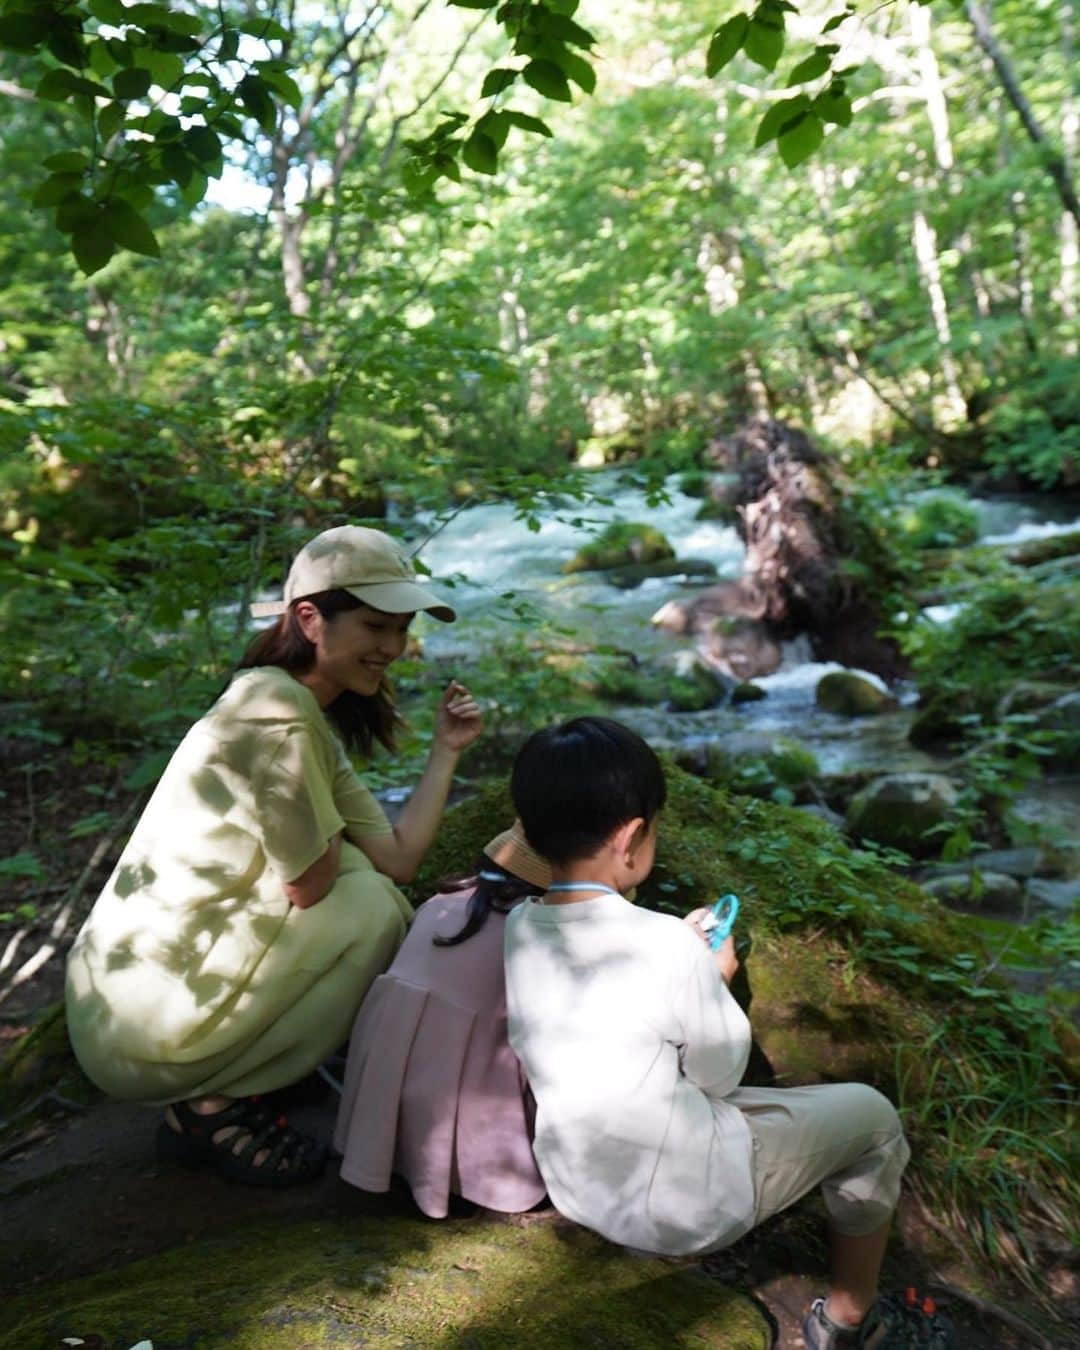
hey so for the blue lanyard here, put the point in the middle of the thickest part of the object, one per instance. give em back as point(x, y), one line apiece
point(585, 886)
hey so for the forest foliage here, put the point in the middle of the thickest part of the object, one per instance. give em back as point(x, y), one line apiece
point(327, 328)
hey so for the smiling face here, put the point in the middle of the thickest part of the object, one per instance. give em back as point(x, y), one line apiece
point(353, 649)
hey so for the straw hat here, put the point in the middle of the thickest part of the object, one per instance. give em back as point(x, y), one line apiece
point(511, 851)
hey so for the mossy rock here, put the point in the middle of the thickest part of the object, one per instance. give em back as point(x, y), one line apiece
point(619, 545)
point(903, 810)
point(851, 695)
point(395, 1282)
point(748, 692)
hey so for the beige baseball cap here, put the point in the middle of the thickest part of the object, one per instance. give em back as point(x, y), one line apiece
point(367, 563)
point(511, 850)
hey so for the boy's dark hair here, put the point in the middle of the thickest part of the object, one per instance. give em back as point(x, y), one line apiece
point(574, 784)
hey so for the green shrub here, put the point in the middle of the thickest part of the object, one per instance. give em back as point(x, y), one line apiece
point(940, 520)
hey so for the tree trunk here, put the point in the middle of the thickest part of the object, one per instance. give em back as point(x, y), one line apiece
point(1056, 166)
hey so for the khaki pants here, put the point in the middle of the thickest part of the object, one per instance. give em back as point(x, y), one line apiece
point(845, 1136)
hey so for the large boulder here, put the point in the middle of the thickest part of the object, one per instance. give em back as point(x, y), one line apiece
point(900, 810)
point(353, 1280)
point(852, 695)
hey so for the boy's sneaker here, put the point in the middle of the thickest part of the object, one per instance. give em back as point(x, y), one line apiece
point(820, 1332)
point(895, 1322)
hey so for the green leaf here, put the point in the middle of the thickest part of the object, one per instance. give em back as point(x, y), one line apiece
point(66, 44)
point(526, 122)
point(257, 101)
point(267, 29)
point(578, 69)
point(833, 105)
point(229, 44)
point(474, 4)
point(814, 66)
point(547, 79)
point(836, 21)
point(480, 153)
point(92, 244)
point(100, 59)
point(764, 44)
point(726, 41)
point(131, 83)
point(166, 68)
point(23, 32)
point(564, 29)
point(284, 86)
point(495, 81)
point(194, 190)
point(68, 161)
point(129, 229)
point(109, 120)
point(56, 188)
point(177, 165)
point(73, 212)
point(107, 11)
point(799, 140)
point(417, 175)
point(161, 16)
point(778, 116)
point(496, 127)
point(202, 144)
point(58, 86)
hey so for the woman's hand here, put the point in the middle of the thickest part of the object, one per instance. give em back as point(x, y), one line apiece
point(458, 721)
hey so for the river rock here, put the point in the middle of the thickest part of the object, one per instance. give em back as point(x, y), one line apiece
point(747, 692)
point(852, 695)
point(899, 809)
point(627, 578)
point(741, 648)
point(694, 685)
point(981, 892)
point(621, 544)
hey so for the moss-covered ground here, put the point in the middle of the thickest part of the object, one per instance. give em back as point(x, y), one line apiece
point(299, 1284)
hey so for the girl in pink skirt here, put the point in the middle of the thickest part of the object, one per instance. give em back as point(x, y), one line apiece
point(432, 1090)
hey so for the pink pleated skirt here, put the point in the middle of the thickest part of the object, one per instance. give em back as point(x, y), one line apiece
point(433, 1091)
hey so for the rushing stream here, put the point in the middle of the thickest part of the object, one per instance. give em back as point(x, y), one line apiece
point(490, 554)
point(490, 557)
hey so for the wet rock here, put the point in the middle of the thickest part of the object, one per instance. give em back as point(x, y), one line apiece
point(630, 577)
point(980, 892)
point(899, 810)
point(741, 648)
point(693, 684)
point(852, 695)
point(747, 692)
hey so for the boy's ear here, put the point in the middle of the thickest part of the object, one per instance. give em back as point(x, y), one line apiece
point(628, 836)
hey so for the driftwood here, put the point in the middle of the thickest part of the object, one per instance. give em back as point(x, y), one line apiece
point(788, 500)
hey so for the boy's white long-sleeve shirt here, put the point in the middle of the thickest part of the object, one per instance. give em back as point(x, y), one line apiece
point(631, 1041)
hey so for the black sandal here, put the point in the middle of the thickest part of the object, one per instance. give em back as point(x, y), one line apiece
point(291, 1158)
